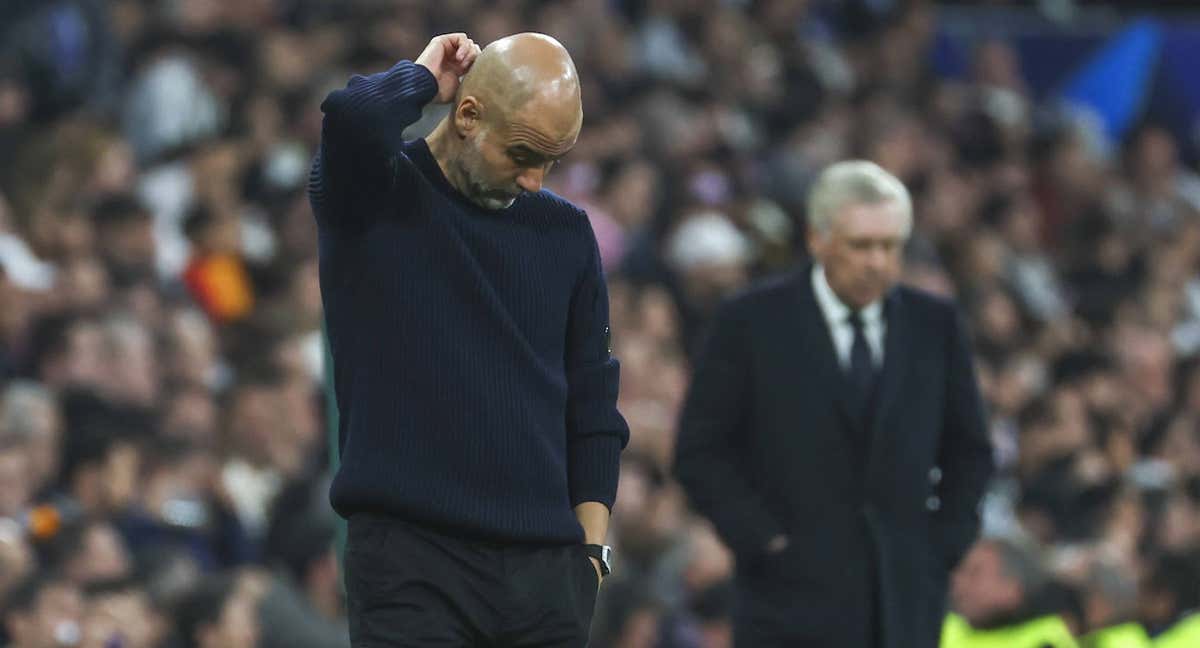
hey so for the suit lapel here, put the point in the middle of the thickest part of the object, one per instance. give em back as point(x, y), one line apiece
point(818, 351)
point(897, 357)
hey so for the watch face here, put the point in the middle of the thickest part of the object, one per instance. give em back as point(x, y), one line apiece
point(602, 553)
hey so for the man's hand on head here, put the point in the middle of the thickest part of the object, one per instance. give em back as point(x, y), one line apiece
point(599, 572)
point(448, 57)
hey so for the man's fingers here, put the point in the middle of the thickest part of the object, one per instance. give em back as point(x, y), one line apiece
point(453, 43)
point(471, 55)
point(451, 52)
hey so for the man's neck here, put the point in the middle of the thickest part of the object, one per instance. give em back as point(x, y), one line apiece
point(444, 148)
point(829, 297)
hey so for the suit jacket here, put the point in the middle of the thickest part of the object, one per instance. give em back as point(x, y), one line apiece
point(766, 446)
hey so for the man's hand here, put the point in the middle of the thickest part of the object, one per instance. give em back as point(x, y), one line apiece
point(596, 566)
point(448, 57)
point(593, 517)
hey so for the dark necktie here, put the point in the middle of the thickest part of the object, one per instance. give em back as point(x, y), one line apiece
point(862, 369)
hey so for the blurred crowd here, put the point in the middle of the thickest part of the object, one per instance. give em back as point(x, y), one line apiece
point(163, 425)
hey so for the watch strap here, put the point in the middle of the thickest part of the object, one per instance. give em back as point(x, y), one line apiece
point(602, 554)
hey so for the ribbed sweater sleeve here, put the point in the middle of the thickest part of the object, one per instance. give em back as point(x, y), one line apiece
point(362, 139)
point(596, 431)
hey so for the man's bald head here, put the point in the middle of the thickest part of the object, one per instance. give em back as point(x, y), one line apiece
point(517, 112)
point(522, 72)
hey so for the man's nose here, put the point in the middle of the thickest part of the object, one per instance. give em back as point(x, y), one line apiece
point(880, 258)
point(531, 179)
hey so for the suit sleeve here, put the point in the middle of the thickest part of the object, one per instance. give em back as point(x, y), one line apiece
point(708, 453)
point(965, 453)
point(596, 431)
point(361, 139)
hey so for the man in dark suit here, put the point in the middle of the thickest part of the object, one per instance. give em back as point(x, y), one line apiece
point(835, 437)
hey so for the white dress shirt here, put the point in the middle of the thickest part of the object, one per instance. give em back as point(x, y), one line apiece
point(837, 316)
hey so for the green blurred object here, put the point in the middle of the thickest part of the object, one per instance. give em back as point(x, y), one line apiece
point(334, 450)
point(1185, 634)
point(1128, 635)
point(1043, 632)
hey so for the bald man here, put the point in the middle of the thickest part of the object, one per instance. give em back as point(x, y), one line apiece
point(468, 319)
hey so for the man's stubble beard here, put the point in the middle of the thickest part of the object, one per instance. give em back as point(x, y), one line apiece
point(476, 188)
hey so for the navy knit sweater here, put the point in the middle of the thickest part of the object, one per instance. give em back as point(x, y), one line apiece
point(470, 347)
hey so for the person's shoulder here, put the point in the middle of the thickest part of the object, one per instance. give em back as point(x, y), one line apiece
point(932, 310)
point(765, 293)
point(923, 299)
point(553, 206)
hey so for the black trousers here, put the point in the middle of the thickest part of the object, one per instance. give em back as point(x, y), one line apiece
point(772, 614)
point(783, 631)
point(409, 585)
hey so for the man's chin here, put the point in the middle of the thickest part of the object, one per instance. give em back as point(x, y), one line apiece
point(497, 203)
point(869, 296)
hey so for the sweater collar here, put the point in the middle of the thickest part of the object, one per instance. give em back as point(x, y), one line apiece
point(418, 151)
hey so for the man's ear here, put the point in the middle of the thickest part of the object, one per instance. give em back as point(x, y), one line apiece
point(816, 241)
point(467, 116)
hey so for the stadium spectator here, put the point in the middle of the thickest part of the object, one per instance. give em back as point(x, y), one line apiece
point(43, 612)
point(999, 598)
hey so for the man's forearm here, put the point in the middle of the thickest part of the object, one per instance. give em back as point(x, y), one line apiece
point(363, 130)
point(593, 517)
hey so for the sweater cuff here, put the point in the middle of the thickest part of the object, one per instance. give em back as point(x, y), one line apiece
point(408, 79)
point(394, 96)
point(594, 463)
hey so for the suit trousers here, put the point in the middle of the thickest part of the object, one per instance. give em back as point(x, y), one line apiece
point(753, 630)
point(410, 585)
point(764, 620)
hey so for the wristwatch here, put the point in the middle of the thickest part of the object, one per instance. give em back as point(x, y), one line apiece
point(603, 554)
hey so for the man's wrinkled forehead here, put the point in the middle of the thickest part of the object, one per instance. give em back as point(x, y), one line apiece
point(538, 140)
